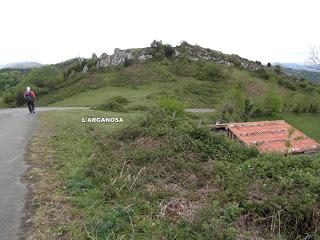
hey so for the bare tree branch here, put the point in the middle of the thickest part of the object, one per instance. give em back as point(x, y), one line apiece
point(314, 58)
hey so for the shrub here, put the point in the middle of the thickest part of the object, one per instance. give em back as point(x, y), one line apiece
point(156, 44)
point(182, 66)
point(128, 62)
point(19, 99)
point(139, 107)
point(247, 110)
point(9, 97)
point(168, 50)
point(115, 104)
point(263, 73)
point(172, 105)
point(209, 72)
point(287, 83)
point(232, 212)
point(232, 106)
point(278, 69)
point(303, 83)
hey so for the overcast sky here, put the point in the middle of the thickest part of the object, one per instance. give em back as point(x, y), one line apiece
point(52, 31)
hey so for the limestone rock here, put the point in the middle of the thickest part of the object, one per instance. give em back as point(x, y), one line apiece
point(194, 53)
point(85, 69)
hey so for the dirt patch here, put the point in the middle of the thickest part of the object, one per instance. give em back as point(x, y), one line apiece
point(184, 203)
point(180, 208)
point(147, 143)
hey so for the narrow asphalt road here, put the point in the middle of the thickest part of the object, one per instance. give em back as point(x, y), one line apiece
point(16, 129)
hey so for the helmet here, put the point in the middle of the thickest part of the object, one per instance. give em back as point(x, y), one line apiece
point(28, 89)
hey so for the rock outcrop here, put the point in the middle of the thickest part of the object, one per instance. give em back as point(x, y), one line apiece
point(85, 69)
point(197, 53)
point(120, 56)
point(194, 53)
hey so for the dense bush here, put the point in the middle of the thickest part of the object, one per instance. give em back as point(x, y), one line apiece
point(171, 105)
point(264, 73)
point(287, 83)
point(278, 69)
point(156, 44)
point(19, 99)
point(168, 50)
point(10, 78)
point(205, 71)
point(200, 185)
point(44, 77)
point(128, 62)
point(160, 50)
point(76, 67)
point(300, 103)
point(234, 106)
point(115, 104)
point(209, 72)
point(9, 97)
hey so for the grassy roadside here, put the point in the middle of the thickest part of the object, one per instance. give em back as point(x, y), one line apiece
point(2, 104)
point(59, 151)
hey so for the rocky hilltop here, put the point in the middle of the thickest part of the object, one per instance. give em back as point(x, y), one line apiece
point(194, 53)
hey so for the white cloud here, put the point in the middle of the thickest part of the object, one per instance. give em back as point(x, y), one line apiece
point(52, 31)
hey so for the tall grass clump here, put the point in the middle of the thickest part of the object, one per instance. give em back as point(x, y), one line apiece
point(115, 104)
point(171, 105)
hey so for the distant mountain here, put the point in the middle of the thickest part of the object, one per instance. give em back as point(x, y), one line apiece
point(22, 65)
point(301, 71)
point(303, 74)
point(296, 66)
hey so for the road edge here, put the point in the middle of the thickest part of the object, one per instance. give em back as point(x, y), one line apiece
point(29, 208)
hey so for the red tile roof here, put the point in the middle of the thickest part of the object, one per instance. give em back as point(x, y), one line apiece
point(272, 136)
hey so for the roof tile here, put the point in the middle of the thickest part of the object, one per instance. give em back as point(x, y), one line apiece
point(272, 136)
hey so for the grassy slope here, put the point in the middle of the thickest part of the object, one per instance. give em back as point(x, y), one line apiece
point(141, 83)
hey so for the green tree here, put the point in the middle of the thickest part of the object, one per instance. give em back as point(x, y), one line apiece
point(168, 50)
point(94, 56)
point(278, 69)
point(232, 106)
point(247, 109)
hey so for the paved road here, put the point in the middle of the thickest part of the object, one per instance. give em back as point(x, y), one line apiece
point(16, 128)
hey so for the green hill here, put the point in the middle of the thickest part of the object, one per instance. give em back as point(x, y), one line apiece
point(199, 77)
